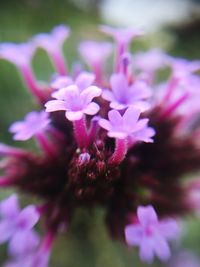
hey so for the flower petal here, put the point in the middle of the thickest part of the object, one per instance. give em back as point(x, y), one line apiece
point(84, 80)
point(146, 215)
point(133, 234)
point(55, 105)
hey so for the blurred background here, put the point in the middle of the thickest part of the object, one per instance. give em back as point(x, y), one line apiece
point(169, 24)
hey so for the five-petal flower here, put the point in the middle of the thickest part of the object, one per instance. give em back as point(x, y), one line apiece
point(119, 126)
point(151, 235)
point(124, 95)
point(74, 102)
point(34, 123)
point(16, 226)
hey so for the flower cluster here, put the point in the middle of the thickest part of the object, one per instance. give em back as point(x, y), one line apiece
point(120, 140)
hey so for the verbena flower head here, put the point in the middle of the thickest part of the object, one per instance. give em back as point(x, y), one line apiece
point(111, 138)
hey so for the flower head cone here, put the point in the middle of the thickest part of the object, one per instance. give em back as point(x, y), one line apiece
point(112, 141)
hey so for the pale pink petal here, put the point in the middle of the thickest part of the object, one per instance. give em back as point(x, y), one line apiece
point(27, 218)
point(146, 215)
point(161, 248)
point(131, 116)
point(108, 95)
point(105, 124)
point(169, 228)
point(23, 242)
point(84, 80)
point(146, 250)
point(117, 134)
point(91, 109)
point(115, 118)
point(55, 105)
point(7, 229)
point(74, 115)
point(133, 234)
point(9, 208)
point(88, 94)
point(119, 85)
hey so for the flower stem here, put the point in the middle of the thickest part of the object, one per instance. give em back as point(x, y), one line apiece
point(31, 82)
point(59, 62)
point(121, 48)
point(6, 150)
point(48, 241)
point(45, 145)
point(80, 132)
point(119, 154)
point(93, 130)
point(5, 182)
point(167, 112)
point(170, 89)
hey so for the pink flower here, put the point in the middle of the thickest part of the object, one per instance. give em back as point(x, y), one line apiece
point(119, 126)
point(83, 80)
point(74, 102)
point(123, 95)
point(52, 41)
point(121, 35)
point(151, 235)
point(16, 226)
point(34, 123)
point(18, 54)
point(181, 68)
point(94, 53)
point(150, 61)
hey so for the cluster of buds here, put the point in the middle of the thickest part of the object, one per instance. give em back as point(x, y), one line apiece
point(122, 140)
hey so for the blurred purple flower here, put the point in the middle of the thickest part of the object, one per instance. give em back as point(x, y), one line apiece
point(16, 226)
point(53, 41)
point(121, 35)
point(53, 44)
point(151, 235)
point(124, 95)
point(34, 123)
point(18, 54)
point(83, 80)
point(150, 61)
point(94, 53)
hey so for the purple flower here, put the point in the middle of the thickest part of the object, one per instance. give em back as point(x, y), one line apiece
point(184, 259)
point(53, 44)
point(95, 53)
point(53, 41)
point(119, 126)
point(150, 61)
point(121, 35)
point(74, 102)
point(16, 226)
point(18, 54)
point(181, 68)
point(151, 235)
point(123, 95)
point(83, 80)
point(34, 123)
